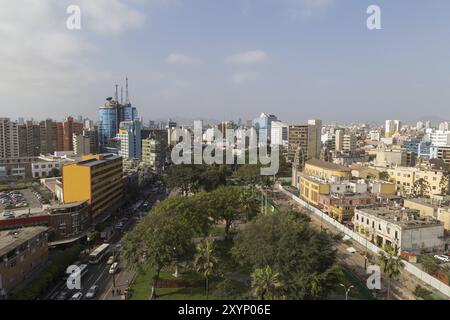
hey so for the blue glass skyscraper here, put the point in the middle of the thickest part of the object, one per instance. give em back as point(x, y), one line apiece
point(108, 125)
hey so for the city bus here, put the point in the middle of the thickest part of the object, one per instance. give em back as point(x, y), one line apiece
point(98, 254)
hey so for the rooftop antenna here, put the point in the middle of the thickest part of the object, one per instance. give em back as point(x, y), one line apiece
point(117, 93)
point(121, 95)
point(127, 98)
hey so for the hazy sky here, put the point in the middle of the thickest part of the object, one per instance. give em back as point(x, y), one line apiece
point(226, 59)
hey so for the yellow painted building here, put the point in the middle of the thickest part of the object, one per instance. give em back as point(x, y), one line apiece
point(405, 177)
point(96, 179)
point(326, 170)
point(311, 188)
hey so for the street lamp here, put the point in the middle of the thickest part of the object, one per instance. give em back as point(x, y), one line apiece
point(176, 274)
point(347, 290)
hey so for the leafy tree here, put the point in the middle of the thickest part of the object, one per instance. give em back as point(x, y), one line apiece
point(193, 178)
point(444, 185)
point(288, 245)
point(384, 175)
point(227, 204)
point(390, 264)
point(429, 264)
point(421, 187)
point(205, 262)
point(157, 242)
point(266, 283)
point(55, 172)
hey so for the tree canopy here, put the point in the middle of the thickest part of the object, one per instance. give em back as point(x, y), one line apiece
point(285, 242)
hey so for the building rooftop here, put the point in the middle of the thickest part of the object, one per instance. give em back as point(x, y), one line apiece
point(327, 165)
point(9, 240)
point(405, 218)
point(99, 159)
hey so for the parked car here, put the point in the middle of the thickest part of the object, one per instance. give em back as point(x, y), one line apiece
point(442, 257)
point(77, 296)
point(92, 292)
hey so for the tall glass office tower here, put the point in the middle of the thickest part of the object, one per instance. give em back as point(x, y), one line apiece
point(107, 126)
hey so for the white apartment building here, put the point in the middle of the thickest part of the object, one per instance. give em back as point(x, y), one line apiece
point(279, 134)
point(403, 229)
point(9, 139)
point(43, 167)
point(440, 138)
point(392, 127)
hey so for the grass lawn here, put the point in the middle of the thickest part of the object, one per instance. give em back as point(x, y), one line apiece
point(360, 291)
point(141, 287)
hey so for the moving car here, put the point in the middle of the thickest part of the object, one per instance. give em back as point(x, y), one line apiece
point(114, 268)
point(110, 260)
point(92, 292)
point(77, 296)
point(63, 295)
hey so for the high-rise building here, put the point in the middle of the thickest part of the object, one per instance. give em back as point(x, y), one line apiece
point(81, 145)
point(9, 139)
point(47, 130)
point(307, 137)
point(108, 126)
point(154, 148)
point(92, 135)
point(130, 140)
point(392, 127)
point(96, 179)
point(29, 139)
point(263, 127)
point(279, 134)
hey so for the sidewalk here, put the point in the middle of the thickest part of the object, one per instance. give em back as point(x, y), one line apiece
point(122, 281)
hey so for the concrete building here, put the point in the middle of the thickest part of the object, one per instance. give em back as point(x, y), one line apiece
point(405, 178)
point(429, 208)
point(442, 153)
point(29, 139)
point(326, 171)
point(341, 207)
point(96, 179)
point(130, 140)
point(9, 139)
point(22, 251)
point(440, 138)
point(389, 157)
point(307, 137)
point(392, 127)
point(47, 166)
point(279, 134)
point(16, 168)
point(47, 130)
point(81, 145)
point(402, 229)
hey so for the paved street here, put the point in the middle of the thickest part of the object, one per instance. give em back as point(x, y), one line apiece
point(98, 274)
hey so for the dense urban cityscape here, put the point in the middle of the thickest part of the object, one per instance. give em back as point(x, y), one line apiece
point(74, 190)
point(227, 163)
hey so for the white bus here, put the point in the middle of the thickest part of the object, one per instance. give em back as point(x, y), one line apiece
point(98, 254)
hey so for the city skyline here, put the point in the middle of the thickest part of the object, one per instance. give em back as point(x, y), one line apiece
point(297, 59)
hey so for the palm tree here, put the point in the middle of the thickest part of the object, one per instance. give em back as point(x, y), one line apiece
point(205, 262)
point(390, 264)
point(265, 283)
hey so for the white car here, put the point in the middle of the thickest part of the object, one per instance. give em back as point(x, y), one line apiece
point(92, 292)
point(442, 258)
point(77, 296)
point(113, 268)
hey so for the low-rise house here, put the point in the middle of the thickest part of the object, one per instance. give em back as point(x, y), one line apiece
point(403, 229)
